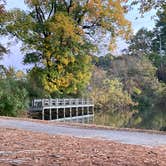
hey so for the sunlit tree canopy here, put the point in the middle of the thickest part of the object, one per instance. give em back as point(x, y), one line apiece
point(56, 36)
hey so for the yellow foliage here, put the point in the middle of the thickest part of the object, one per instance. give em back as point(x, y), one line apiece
point(63, 25)
point(20, 74)
point(59, 36)
point(60, 68)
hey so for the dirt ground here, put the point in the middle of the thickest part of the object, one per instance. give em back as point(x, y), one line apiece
point(23, 148)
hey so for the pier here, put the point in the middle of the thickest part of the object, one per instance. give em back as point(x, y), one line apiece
point(62, 109)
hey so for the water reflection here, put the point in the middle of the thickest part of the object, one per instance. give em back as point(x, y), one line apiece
point(150, 119)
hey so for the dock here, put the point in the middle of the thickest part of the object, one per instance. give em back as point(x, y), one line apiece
point(62, 109)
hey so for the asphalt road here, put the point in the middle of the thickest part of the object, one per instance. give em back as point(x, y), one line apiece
point(136, 138)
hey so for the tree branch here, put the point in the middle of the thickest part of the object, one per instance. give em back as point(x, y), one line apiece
point(70, 5)
point(53, 9)
point(42, 14)
point(39, 17)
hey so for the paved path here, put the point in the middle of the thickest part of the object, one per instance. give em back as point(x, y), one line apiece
point(128, 137)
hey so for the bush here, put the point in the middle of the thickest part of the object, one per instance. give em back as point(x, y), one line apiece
point(13, 97)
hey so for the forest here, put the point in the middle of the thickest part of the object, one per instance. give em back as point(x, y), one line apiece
point(129, 90)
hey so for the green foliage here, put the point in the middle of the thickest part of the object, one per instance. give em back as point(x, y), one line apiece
point(138, 75)
point(152, 44)
point(159, 42)
point(34, 86)
point(129, 79)
point(13, 95)
point(145, 42)
point(140, 43)
point(108, 94)
point(103, 62)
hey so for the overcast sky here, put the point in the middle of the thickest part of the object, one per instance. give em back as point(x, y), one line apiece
point(14, 58)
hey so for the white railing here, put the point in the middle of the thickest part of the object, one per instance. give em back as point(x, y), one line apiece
point(38, 103)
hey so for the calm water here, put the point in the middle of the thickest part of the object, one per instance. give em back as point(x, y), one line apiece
point(151, 119)
point(155, 120)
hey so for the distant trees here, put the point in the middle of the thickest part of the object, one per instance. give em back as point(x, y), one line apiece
point(108, 93)
point(152, 44)
point(138, 76)
point(128, 93)
point(103, 62)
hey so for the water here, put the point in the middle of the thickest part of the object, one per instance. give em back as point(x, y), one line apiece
point(150, 119)
point(154, 119)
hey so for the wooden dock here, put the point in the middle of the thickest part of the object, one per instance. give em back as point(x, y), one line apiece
point(57, 109)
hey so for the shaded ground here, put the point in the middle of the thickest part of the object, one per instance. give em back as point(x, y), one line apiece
point(137, 138)
point(25, 148)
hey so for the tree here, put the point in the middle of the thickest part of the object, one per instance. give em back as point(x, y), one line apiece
point(13, 93)
point(2, 12)
point(114, 104)
point(138, 76)
point(146, 5)
point(109, 94)
point(103, 62)
point(152, 44)
point(2, 6)
point(140, 43)
point(146, 42)
point(56, 37)
point(159, 42)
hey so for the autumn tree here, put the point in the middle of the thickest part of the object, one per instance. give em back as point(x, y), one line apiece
point(56, 36)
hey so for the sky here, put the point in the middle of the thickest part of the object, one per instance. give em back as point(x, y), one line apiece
point(14, 57)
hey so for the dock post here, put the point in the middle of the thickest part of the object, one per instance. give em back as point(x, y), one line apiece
point(93, 111)
point(88, 114)
point(82, 109)
point(64, 114)
point(82, 114)
point(43, 114)
point(70, 113)
point(77, 113)
point(50, 112)
point(88, 110)
point(57, 113)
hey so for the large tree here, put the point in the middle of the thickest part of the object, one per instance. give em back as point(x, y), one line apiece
point(56, 36)
point(159, 43)
point(152, 44)
point(141, 43)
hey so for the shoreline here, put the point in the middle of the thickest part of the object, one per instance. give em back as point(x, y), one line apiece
point(90, 126)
